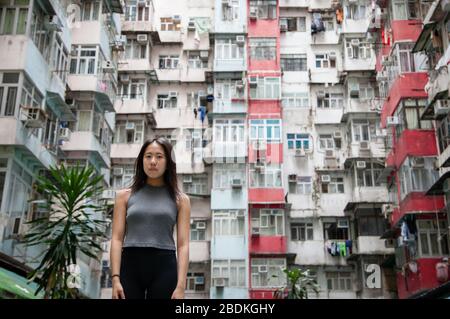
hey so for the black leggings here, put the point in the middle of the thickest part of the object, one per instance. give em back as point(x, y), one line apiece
point(148, 273)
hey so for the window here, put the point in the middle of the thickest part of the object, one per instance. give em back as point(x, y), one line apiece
point(371, 225)
point(358, 48)
point(302, 185)
point(270, 177)
point(409, 9)
point(417, 178)
point(168, 24)
point(429, 232)
point(198, 230)
point(229, 131)
point(228, 223)
point(293, 62)
point(165, 101)
point(326, 142)
point(266, 129)
point(337, 230)
point(168, 62)
point(328, 23)
point(323, 61)
point(225, 173)
point(355, 11)
point(443, 132)
point(85, 60)
point(231, 12)
point(409, 116)
point(60, 59)
point(133, 12)
point(300, 99)
point(227, 90)
point(263, 48)
point(130, 132)
point(193, 99)
point(195, 184)
point(339, 280)
point(90, 10)
point(232, 270)
point(266, 9)
point(30, 95)
point(13, 17)
point(195, 62)
point(135, 50)
point(38, 33)
point(405, 57)
point(330, 100)
point(302, 231)
point(227, 49)
point(368, 177)
point(298, 141)
point(195, 281)
point(294, 23)
point(363, 130)
point(266, 88)
point(9, 86)
point(268, 272)
point(269, 221)
point(335, 186)
point(125, 179)
point(136, 89)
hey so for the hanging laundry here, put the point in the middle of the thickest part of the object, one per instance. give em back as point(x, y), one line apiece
point(404, 231)
point(202, 113)
point(195, 112)
point(333, 248)
point(348, 245)
point(342, 249)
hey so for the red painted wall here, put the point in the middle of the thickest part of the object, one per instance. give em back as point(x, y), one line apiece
point(407, 85)
point(264, 109)
point(413, 143)
point(266, 195)
point(268, 244)
point(425, 278)
point(417, 202)
point(274, 153)
point(403, 30)
point(262, 293)
point(385, 50)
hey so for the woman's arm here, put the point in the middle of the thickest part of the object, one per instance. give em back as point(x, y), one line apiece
point(118, 230)
point(183, 225)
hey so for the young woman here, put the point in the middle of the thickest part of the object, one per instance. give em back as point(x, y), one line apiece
point(143, 258)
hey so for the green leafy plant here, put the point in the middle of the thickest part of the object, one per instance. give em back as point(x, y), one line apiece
point(299, 281)
point(69, 228)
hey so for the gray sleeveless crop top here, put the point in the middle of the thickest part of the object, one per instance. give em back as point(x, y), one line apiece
point(151, 217)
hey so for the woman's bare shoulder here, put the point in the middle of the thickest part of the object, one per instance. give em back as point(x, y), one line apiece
point(183, 199)
point(123, 194)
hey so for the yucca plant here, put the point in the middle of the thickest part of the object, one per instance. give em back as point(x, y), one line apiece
point(70, 227)
point(299, 281)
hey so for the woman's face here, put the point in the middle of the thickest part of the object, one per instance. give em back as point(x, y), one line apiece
point(155, 160)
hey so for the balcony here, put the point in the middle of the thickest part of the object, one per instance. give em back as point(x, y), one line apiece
point(370, 245)
point(360, 64)
point(294, 3)
point(355, 26)
point(406, 30)
point(135, 65)
point(268, 245)
point(229, 65)
point(199, 251)
point(14, 133)
point(377, 194)
point(168, 37)
point(325, 38)
point(234, 150)
point(357, 106)
point(230, 107)
point(125, 151)
point(137, 26)
point(102, 89)
point(319, 4)
point(87, 141)
point(325, 75)
point(367, 149)
point(438, 84)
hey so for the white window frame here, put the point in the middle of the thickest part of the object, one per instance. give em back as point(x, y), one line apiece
point(233, 269)
point(295, 100)
point(260, 127)
point(268, 88)
point(274, 277)
point(303, 138)
point(270, 178)
point(169, 62)
point(263, 49)
point(227, 223)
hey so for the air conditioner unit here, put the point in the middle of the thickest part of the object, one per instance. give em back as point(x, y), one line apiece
point(204, 55)
point(108, 66)
point(364, 145)
point(239, 84)
point(353, 90)
point(441, 107)
point(253, 81)
point(329, 154)
point(389, 243)
point(33, 117)
point(337, 135)
point(354, 42)
point(191, 26)
point(320, 94)
point(300, 152)
point(260, 167)
point(141, 3)
point(332, 56)
point(219, 282)
point(142, 38)
point(201, 225)
point(236, 183)
point(240, 40)
point(124, 78)
point(64, 133)
point(187, 179)
point(53, 24)
point(240, 214)
point(342, 224)
point(130, 126)
point(199, 280)
point(176, 18)
point(392, 120)
point(360, 164)
point(325, 178)
point(120, 40)
point(173, 94)
point(117, 171)
point(292, 178)
point(262, 268)
point(283, 25)
point(253, 14)
point(417, 162)
point(255, 231)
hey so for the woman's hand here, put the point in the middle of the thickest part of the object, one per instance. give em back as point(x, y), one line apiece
point(178, 293)
point(117, 289)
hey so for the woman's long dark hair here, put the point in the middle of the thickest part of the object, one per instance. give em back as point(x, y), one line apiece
point(170, 175)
